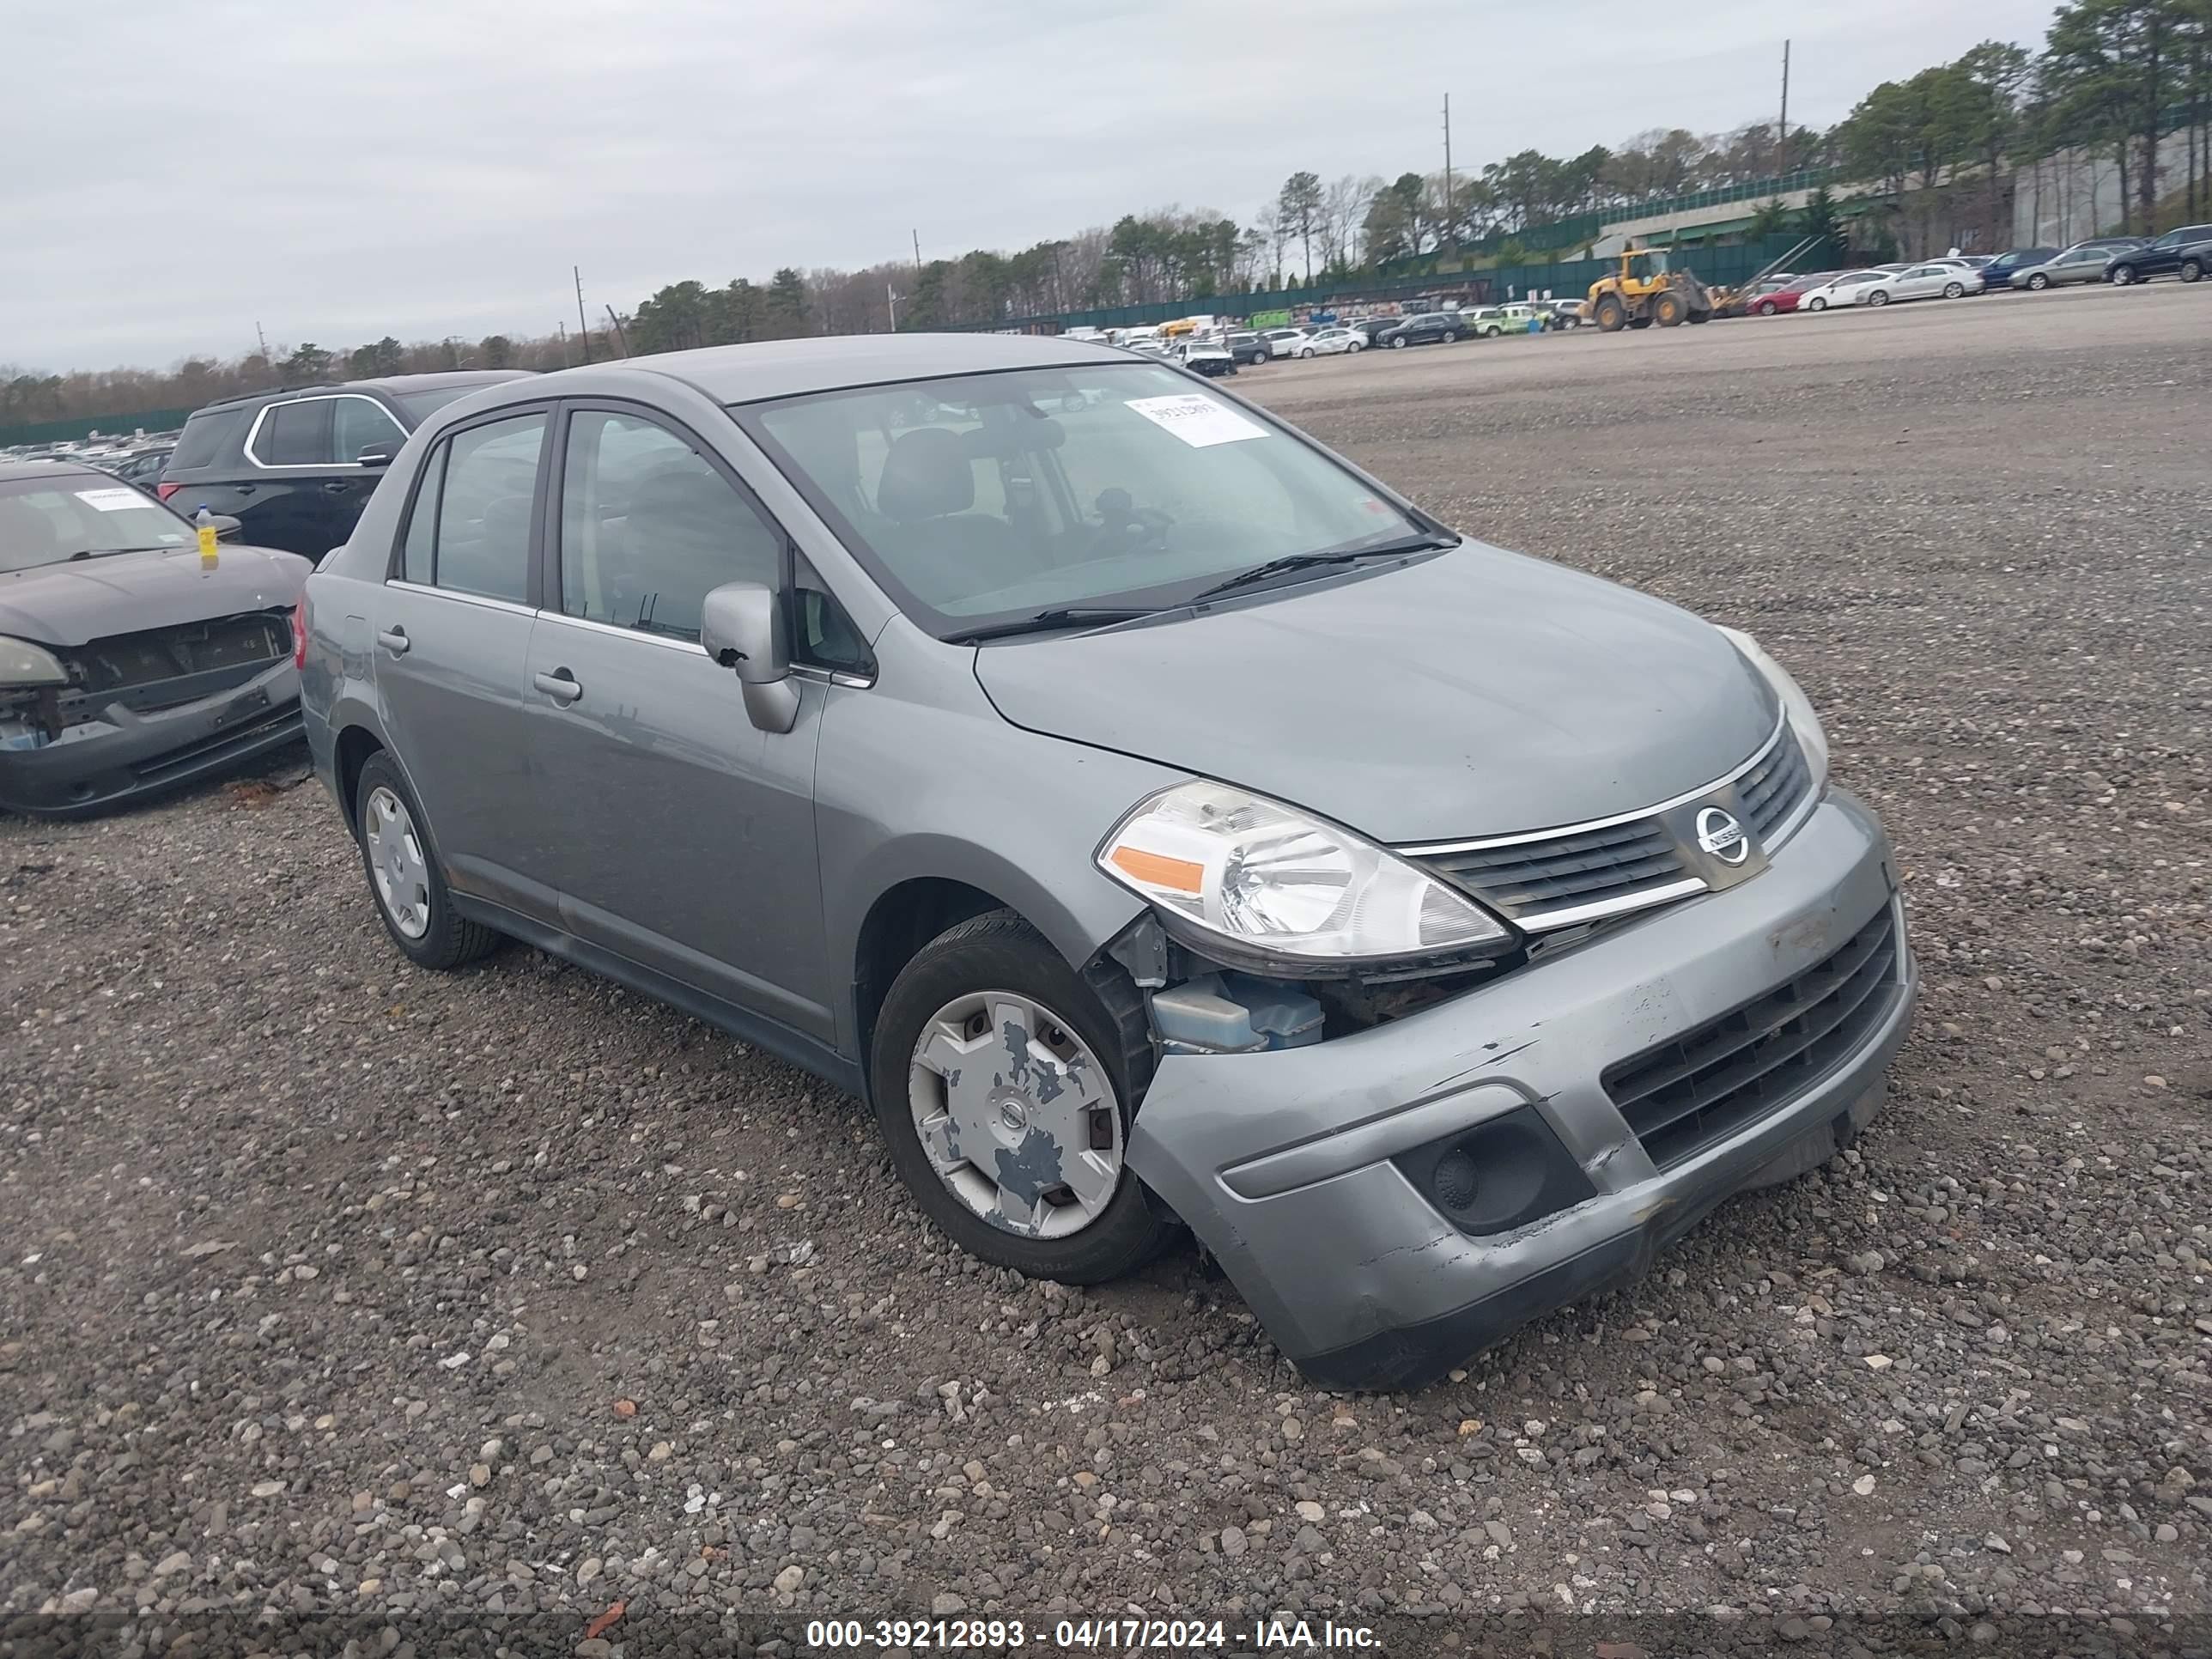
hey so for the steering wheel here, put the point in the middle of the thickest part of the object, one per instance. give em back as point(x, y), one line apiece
point(1125, 528)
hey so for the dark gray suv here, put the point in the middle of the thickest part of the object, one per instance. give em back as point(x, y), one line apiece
point(1154, 818)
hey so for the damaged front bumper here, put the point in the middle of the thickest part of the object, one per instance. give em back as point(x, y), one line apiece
point(1324, 1179)
point(122, 752)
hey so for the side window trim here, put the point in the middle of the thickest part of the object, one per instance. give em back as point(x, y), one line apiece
point(329, 397)
point(435, 462)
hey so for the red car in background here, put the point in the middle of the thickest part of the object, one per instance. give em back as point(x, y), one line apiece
point(1786, 298)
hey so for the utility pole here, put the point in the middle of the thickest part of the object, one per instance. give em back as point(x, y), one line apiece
point(891, 298)
point(917, 253)
point(583, 329)
point(1451, 219)
point(261, 337)
point(622, 340)
point(1782, 133)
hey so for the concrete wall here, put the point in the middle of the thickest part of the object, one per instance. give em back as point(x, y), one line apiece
point(2074, 195)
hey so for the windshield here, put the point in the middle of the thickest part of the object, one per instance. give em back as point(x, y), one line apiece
point(993, 496)
point(47, 520)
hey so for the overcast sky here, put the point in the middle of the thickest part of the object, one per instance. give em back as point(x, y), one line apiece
point(171, 174)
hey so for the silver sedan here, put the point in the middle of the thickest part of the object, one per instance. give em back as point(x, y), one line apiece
point(2085, 263)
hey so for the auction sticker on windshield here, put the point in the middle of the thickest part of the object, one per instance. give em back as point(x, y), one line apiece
point(112, 500)
point(1197, 419)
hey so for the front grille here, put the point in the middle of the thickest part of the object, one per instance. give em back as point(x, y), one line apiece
point(1578, 874)
point(1774, 786)
point(1683, 1096)
point(123, 660)
point(1591, 868)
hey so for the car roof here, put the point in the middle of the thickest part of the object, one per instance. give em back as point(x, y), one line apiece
point(13, 471)
point(390, 385)
point(786, 368)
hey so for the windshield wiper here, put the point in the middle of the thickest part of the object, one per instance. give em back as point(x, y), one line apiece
point(1044, 622)
point(110, 552)
point(1260, 573)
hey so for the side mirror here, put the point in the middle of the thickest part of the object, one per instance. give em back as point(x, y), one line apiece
point(742, 626)
point(375, 455)
point(226, 529)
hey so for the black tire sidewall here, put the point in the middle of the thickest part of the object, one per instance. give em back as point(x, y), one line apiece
point(444, 941)
point(998, 952)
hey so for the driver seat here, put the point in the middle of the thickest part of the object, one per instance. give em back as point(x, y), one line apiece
point(937, 544)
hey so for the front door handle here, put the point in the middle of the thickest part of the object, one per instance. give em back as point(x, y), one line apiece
point(335, 487)
point(393, 640)
point(560, 685)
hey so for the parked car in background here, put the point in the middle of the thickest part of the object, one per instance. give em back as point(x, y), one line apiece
point(1284, 341)
point(687, 726)
point(1332, 342)
point(1940, 279)
point(2161, 257)
point(1428, 328)
point(1845, 289)
point(1998, 273)
point(129, 662)
point(2195, 263)
point(2084, 263)
point(1562, 314)
point(1782, 300)
point(1249, 348)
point(295, 467)
point(1368, 327)
point(1204, 356)
point(143, 467)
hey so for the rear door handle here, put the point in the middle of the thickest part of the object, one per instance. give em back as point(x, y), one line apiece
point(335, 487)
point(393, 640)
point(560, 685)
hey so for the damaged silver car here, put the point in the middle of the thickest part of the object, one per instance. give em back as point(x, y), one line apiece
point(130, 661)
point(1158, 821)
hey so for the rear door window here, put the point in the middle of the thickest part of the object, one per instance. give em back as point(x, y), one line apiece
point(476, 496)
point(297, 434)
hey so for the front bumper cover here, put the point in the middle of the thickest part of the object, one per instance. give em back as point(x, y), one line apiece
point(1282, 1161)
point(148, 752)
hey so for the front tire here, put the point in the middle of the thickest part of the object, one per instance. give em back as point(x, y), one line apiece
point(1398, 344)
point(1816, 304)
point(1765, 307)
point(2038, 283)
point(1612, 315)
point(1005, 1084)
point(405, 878)
point(1879, 297)
point(2124, 275)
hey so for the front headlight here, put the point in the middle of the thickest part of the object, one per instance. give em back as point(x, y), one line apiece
point(25, 665)
point(1802, 720)
point(1253, 881)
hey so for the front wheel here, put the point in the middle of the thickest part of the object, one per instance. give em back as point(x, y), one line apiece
point(1816, 305)
point(2124, 275)
point(1398, 344)
point(2039, 283)
point(412, 899)
point(1879, 297)
point(1306, 352)
point(1765, 307)
point(1612, 316)
point(1005, 1083)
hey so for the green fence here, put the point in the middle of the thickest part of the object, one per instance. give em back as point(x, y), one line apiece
point(56, 432)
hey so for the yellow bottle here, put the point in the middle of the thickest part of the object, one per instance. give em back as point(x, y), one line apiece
point(204, 522)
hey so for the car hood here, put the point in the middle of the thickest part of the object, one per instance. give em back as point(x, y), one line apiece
point(126, 593)
point(1475, 693)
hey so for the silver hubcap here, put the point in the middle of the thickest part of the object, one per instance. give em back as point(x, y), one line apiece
point(396, 861)
point(1017, 1115)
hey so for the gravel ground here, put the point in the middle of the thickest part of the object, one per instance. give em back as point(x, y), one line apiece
point(325, 1284)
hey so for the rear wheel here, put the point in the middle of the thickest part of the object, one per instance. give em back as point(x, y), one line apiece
point(2191, 270)
point(1005, 1083)
point(411, 896)
point(1447, 337)
point(1953, 290)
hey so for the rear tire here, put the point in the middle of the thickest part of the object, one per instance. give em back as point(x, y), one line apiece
point(1075, 1021)
point(1953, 290)
point(1447, 338)
point(2190, 270)
point(404, 876)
